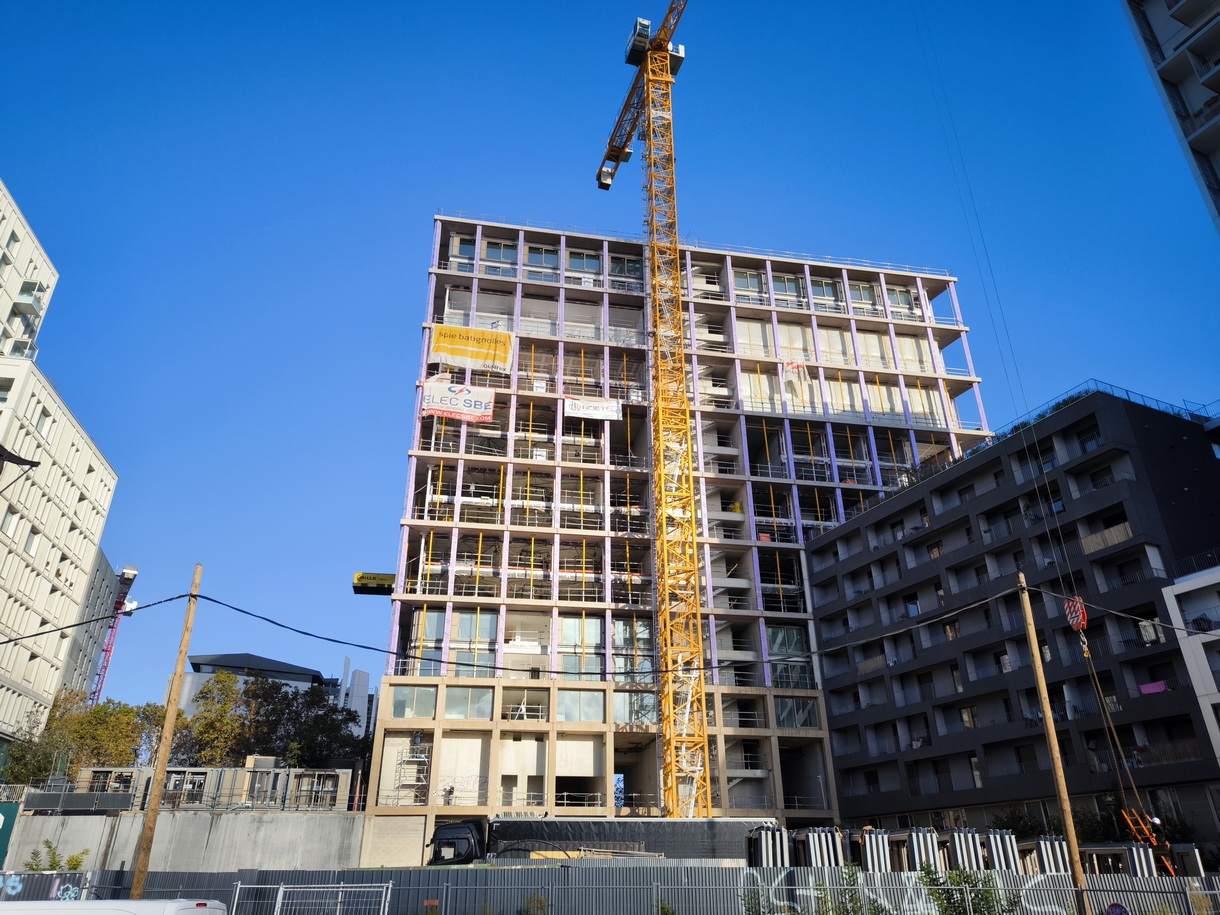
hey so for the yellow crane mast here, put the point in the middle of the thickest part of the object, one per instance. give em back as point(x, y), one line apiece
point(685, 782)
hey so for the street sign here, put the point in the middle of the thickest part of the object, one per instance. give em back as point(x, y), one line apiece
point(1077, 617)
point(1116, 908)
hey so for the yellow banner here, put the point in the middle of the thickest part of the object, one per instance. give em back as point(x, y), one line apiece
point(472, 348)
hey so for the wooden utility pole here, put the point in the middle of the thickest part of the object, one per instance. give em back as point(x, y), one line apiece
point(156, 791)
point(1052, 737)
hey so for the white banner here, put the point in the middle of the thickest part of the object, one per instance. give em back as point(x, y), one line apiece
point(592, 408)
point(795, 373)
point(457, 401)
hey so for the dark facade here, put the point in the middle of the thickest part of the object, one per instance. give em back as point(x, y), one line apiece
point(932, 710)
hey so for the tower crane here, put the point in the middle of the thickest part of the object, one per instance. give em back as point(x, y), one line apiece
point(648, 110)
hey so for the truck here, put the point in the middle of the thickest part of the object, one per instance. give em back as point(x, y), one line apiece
point(487, 840)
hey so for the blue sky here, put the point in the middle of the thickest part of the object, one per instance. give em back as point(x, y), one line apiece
point(238, 197)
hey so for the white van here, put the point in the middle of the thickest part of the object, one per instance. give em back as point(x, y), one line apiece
point(116, 907)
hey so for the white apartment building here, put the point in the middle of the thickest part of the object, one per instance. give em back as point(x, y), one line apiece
point(52, 515)
point(1180, 40)
point(524, 608)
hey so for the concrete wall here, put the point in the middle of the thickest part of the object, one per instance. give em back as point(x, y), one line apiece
point(203, 840)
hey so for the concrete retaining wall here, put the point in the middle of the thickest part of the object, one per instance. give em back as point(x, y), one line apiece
point(199, 840)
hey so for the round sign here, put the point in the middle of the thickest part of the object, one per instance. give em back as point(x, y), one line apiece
point(1116, 908)
point(1077, 617)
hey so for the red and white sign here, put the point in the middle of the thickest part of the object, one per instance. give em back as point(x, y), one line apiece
point(1077, 616)
point(458, 401)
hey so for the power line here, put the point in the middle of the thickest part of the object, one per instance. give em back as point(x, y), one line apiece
point(96, 619)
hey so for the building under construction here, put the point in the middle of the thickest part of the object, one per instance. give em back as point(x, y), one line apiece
point(525, 679)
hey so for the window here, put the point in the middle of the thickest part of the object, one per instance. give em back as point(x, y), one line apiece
point(786, 285)
point(793, 712)
point(31, 540)
point(542, 257)
point(464, 703)
point(465, 247)
point(584, 261)
point(581, 705)
point(578, 631)
point(472, 664)
point(747, 280)
point(476, 625)
point(862, 293)
point(635, 708)
point(911, 603)
point(626, 266)
point(787, 640)
point(42, 422)
point(8, 524)
point(6, 387)
point(429, 663)
point(792, 675)
point(821, 288)
point(633, 670)
point(430, 624)
point(899, 297)
point(581, 667)
point(414, 702)
point(13, 241)
point(501, 251)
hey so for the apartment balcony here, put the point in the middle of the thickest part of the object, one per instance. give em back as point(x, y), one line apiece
point(1186, 11)
point(1202, 129)
point(1135, 578)
point(28, 303)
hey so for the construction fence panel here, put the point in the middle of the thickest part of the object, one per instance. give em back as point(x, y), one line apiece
point(661, 888)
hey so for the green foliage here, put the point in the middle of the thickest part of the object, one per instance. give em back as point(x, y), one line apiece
point(55, 860)
point(1019, 821)
point(665, 907)
point(78, 734)
point(231, 721)
point(268, 718)
point(961, 892)
point(40, 749)
point(535, 904)
point(846, 898)
point(216, 725)
point(755, 902)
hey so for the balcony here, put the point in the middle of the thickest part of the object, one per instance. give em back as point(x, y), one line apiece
point(1111, 536)
point(1187, 10)
point(1134, 578)
point(28, 303)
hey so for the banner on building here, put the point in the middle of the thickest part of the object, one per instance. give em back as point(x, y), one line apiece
point(795, 373)
point(458, 401)
point(472, 348)
point(592, 408)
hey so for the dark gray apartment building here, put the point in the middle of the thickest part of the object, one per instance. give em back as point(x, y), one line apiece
point(932, 709)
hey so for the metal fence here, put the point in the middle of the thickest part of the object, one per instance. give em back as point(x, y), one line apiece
point(670, 887)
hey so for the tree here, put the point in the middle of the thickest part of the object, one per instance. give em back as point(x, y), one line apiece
point(42, 750)
point(267, 718)
point(960, 892)
point(321, 730)
point(218, 725)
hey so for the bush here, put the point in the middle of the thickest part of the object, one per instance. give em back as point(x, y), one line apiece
point(55, 861)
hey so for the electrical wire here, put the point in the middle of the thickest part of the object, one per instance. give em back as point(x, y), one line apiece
point(96, 619)
point(477, 665)
point(1131, 616)
point(927, 620)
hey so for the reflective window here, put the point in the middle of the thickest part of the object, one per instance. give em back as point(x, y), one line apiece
point(414, 702)
point(463, 702)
